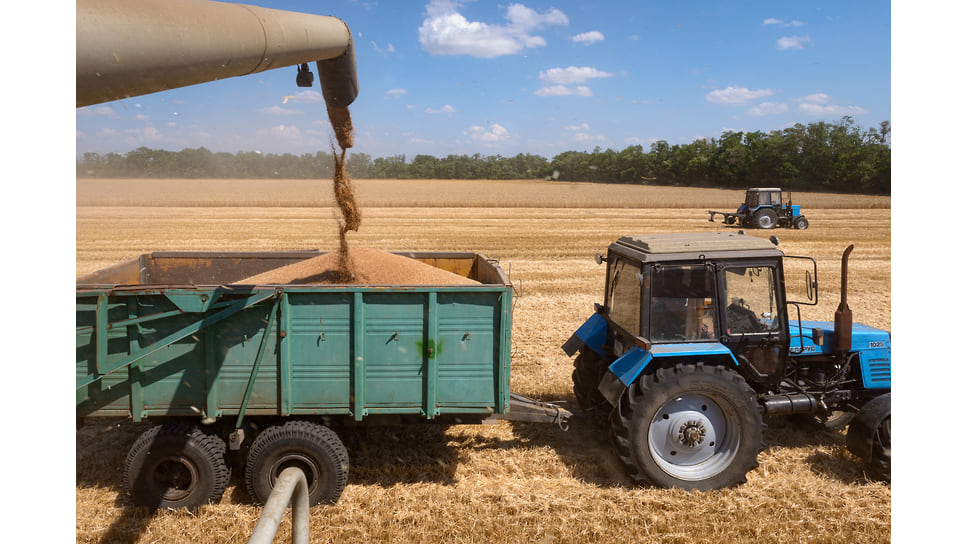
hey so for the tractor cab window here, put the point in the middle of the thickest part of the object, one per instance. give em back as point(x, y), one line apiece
point(751, 299)
point(624, 296)
point(755, 199)
point(681, 304)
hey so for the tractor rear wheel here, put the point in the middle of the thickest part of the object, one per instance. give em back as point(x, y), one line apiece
point(589, 369)
point(690, 427)
point(313, 448)
point(766, 218)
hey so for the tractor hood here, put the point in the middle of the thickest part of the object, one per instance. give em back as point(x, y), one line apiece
point(872, 347)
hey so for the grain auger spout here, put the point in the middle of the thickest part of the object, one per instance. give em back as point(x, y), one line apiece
point(127, 48)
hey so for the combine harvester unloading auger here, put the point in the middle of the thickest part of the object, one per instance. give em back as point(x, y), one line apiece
point(127, 49)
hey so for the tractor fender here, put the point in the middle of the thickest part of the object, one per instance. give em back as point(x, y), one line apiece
point(627, 368)
point(863, 428)
point(592, 333)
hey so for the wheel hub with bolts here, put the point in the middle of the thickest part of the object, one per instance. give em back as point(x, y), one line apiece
point(685, 432)
point(692, 433)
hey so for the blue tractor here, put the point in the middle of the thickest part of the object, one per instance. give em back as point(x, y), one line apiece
point(764, 209)
point(694, 349)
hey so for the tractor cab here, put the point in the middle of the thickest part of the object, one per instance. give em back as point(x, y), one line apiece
point(715, 296)
point(757, 198)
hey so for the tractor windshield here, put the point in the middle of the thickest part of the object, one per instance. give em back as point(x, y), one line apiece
point(751, 294)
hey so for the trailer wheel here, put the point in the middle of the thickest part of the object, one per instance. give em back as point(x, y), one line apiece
point(589, 369)
point(313, 448)
point(766, 218)
point(176, 465)
point(692, 427)
point(801, 223)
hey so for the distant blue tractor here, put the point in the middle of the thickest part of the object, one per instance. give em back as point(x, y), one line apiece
point(693, 350)
point(764, 209)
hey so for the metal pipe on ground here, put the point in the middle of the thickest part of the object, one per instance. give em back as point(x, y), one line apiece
point(291, 487)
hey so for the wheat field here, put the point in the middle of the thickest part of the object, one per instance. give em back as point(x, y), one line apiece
point(506, 482)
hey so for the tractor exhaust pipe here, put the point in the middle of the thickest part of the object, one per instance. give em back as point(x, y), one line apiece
point(843, 318)
point(127, 48)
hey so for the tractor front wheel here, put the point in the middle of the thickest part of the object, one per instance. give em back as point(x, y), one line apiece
point(869, 436)
point(692, 427)
point(801, 223)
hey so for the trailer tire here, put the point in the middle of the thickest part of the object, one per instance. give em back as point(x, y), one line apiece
point(692, 427)
point(176, 465)
point(766, 218)
point(314, 448)
point(589, 369)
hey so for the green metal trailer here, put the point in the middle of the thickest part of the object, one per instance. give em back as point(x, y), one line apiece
point(172, 337)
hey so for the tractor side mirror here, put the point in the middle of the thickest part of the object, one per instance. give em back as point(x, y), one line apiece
point(599, 259)
point(805, 267)
point(810, 286)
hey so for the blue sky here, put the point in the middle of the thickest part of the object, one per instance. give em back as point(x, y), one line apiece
point(479, 76)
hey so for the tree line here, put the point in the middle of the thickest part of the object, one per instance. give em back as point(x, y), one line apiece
point(834, 157)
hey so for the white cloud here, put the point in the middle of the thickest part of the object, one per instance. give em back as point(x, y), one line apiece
point(583, 126)
point(816, 98)
point(736, 95)
point(395, 93)
point(768, 108)
point(107, 133)
point(775, 21)
point(281, 132)
point(818, 105)
point(448, 109)
point(562, 90)
point(447, 32)
point(151, 134)
point(383, 51)
point(588, 38)
point(304, 97)
point(278, 110)
point(495, 133)
point(793, 42)
point(97, 111)
point(557, 81)
point(572, 75)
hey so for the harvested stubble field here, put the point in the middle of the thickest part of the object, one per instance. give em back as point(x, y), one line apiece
point(508, 482)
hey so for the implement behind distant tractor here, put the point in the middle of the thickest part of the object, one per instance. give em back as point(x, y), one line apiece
point(764, 209)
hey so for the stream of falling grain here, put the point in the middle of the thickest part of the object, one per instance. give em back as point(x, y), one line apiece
point(343, 189)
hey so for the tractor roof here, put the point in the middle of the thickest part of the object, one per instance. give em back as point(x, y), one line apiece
point(764, 189)
point(686, 245)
